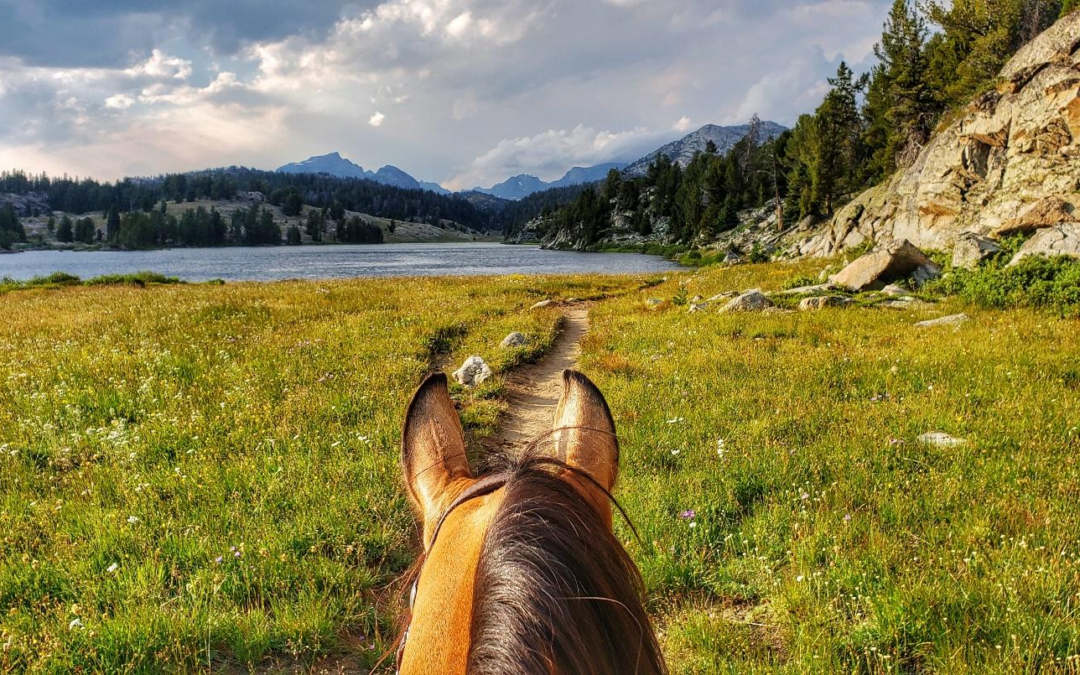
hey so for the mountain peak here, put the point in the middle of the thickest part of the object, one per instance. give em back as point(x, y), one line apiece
point(684, 149)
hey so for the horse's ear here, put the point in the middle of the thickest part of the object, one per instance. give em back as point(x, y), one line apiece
point(584, 432)
point(432, 446)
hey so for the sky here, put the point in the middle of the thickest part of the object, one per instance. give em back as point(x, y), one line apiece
point(460, 92)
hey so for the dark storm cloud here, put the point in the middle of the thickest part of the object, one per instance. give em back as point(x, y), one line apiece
point(107, 33)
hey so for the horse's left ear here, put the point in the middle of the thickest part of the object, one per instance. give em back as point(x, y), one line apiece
point(432, 446)
point(584, 433)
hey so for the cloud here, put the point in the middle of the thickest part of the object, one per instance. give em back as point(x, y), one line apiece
point(551, 153)
point(461, 79)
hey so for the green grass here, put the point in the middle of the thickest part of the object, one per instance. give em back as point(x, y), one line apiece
point(159, 429)
point(62, 279)
point(826, 537)
point(266, 417)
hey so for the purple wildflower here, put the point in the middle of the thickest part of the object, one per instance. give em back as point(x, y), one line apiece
point(689, 514)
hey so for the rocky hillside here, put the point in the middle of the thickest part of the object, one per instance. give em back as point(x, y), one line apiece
point(1009, 163)
point(684, 149)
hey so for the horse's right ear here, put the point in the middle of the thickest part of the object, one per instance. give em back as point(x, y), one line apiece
point(432, 446)
point(584, 435)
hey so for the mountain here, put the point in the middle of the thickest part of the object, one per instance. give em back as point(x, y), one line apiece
point(684, 149)
point(336, 165)
point(333, 164)
point(523, 185)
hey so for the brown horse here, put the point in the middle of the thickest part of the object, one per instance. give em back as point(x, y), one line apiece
point(521, 572)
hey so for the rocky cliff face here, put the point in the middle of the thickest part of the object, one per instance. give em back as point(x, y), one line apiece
point(1010, 163)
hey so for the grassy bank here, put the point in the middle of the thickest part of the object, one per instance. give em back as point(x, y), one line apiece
point(196, 476)
point(204, 477)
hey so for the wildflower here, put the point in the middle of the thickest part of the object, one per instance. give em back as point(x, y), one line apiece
point(675, 420)
point(112, 568)
point(75, 623)
point(800, 578)
point(804, 496)
point(720, 447)
point(675, 452)
point(218, 559)
point(689, 514)
point(847, 518)
point(693, 524)
point(132, 520)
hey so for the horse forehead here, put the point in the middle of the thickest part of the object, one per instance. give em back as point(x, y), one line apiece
point(442, 615)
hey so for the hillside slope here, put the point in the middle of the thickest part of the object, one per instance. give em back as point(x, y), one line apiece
point(1010, 162)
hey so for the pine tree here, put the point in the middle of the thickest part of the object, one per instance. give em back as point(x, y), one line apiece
point(112, 224)
point(66, 232)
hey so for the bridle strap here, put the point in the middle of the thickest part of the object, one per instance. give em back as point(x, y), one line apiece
point(481, 488)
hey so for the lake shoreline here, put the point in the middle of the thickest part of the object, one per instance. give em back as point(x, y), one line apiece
point(329, 261)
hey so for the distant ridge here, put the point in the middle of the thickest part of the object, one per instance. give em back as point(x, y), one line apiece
point(334, 164)
point(521, 186)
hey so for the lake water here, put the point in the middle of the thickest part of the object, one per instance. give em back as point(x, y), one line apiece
point(326, 262)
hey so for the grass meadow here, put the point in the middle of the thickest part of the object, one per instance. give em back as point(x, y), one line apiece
point(205, 477)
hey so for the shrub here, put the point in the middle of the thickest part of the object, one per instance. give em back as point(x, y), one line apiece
point(1034, 282)
point(799, 282)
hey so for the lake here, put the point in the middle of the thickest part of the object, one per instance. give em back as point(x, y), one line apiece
point(328, 262)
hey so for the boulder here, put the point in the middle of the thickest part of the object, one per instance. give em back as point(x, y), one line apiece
point(893, 290)
point(823, 301)
point(750, 301)
point(1049, 242)
point(542, 304)
point(971, 249)
point(899, 260)
point(953, 320)
point(732, 259)
point(473, 372)
point(514, 340)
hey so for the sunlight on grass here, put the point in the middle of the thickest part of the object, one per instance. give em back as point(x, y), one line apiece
point(193, 476)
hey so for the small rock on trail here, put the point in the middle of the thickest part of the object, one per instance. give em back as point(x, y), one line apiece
point(473, 372)
point(542, 304)
point(514, 339)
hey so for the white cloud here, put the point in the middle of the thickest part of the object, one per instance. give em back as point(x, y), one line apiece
point(119, 102)
point(551, 153)
point(162, 66)
point(684, 124)
point(377, 119)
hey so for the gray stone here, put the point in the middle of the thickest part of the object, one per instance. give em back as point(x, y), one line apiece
point(894, 291)
point(953, 320)
point(1052, 241)
point(971, 249)
point(542, 304)
point(895, 261)
point(807, 290)
point(732, 259)
point(473, 372)
point(823, 301)
point(514, 340)
point(653, 303)
point(750, 301)
point(938, 439)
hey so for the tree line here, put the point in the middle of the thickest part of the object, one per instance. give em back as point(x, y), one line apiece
point(866, 128)
point(288, 191)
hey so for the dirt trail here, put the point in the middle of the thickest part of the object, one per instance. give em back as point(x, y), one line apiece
point(532, 391)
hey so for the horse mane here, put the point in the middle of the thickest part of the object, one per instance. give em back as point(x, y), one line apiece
point(555, 591)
